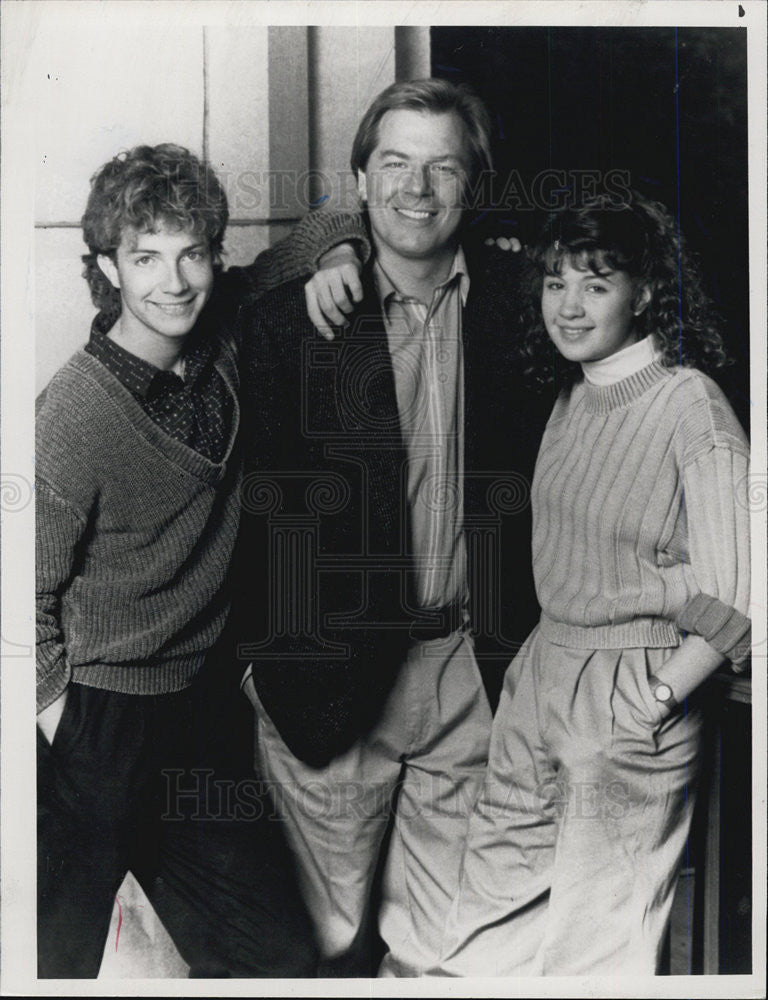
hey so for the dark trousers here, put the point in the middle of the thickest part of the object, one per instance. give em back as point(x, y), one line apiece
point(163, 786)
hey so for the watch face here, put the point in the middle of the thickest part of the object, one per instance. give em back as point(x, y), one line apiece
point(663, 692)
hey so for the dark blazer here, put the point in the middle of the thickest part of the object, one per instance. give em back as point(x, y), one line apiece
point(323, 605)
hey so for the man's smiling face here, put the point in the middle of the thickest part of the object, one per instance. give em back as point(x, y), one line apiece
point(165, 279)
point(413, 184)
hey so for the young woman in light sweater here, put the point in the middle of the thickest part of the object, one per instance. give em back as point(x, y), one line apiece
point(641, 562)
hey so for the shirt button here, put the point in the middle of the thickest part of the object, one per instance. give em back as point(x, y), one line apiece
point(442, 377)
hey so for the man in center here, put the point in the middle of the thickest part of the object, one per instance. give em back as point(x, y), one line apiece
point(373, 465)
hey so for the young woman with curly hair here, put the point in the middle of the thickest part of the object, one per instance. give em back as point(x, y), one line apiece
point(641, 562)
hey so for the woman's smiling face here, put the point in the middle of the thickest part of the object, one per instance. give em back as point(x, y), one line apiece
point(589, 315)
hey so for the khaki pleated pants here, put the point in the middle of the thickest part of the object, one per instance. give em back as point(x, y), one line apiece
point(414, 780)
point(575, 842)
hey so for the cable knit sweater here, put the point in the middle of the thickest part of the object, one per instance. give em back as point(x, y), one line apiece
point(638, 529)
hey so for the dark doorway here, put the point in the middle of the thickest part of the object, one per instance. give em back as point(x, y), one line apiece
point(667, 106)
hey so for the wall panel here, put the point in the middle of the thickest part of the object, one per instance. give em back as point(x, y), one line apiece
point(288, 121)
point(100, 96)
point(63, 309)
point(237, 115)
point(348, 67)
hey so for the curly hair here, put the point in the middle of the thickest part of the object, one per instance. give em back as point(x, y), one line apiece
point(142, 189)
point(639, 237)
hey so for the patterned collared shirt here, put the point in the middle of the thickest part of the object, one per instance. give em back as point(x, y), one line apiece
point(428, 362)
point(196, 409)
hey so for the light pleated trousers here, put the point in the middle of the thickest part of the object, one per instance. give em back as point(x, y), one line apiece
point(575, 841)
point(415, 778)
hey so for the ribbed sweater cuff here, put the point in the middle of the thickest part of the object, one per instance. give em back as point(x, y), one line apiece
point(723, 627)
point(655, 633)
point(141, 678)
point(51, 684)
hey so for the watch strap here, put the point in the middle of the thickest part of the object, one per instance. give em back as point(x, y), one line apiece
point(655, 684)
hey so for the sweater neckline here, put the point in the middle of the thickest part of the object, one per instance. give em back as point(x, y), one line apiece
point(179, 453)
point(605, 398)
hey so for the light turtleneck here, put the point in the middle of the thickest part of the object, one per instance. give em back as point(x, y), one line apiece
point(623, 363)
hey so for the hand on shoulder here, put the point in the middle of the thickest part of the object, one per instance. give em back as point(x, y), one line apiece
point(331, 293)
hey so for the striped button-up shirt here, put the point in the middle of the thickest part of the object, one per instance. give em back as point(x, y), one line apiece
point(428, 362)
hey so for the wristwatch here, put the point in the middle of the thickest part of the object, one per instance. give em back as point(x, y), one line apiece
point(662, 692)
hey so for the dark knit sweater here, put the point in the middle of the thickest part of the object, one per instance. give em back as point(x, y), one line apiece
point(296, 254)
point(135, 532)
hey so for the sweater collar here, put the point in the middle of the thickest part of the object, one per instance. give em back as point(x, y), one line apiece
point(181, 454)
point(605, 398)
